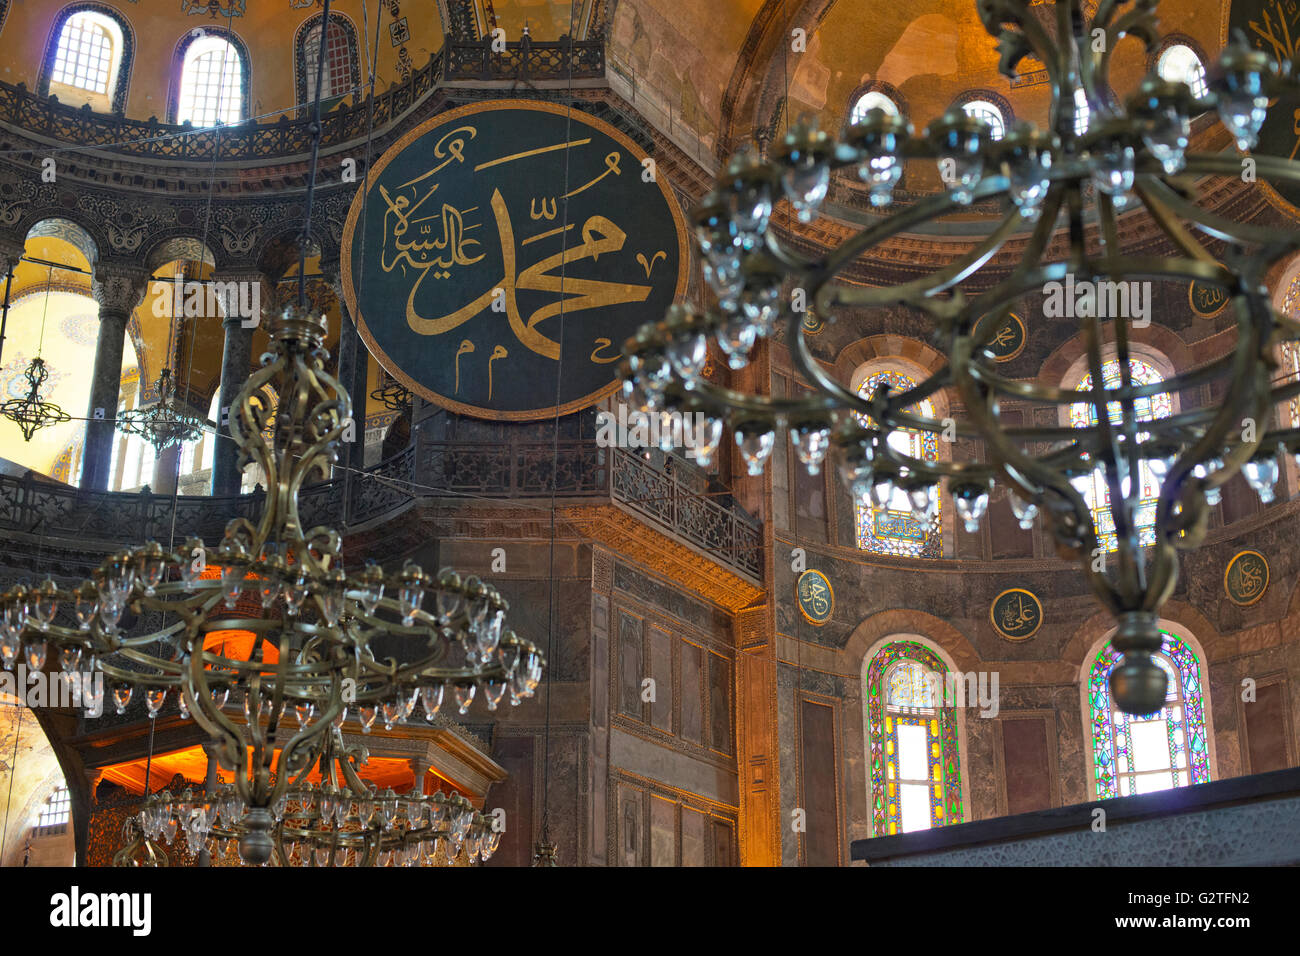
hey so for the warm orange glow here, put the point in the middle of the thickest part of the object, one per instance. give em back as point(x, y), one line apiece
point(192, 764)
point(238, 646)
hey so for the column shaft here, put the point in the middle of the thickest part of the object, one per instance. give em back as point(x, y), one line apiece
point(118, 292)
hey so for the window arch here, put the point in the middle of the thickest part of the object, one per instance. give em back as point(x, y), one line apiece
point(911, 740)
point(872, 100)
point(1143, 754)
point(1179, 63)
point(89, 51)
point(342, 65)
point(211, 80)
point(989, 113)
point(1094, 487)
point(895, 528)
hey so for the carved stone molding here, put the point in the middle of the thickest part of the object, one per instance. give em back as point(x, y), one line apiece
point(629, 536)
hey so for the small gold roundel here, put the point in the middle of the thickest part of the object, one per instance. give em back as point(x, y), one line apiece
point(1016, 614)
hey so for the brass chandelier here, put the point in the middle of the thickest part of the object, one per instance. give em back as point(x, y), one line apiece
point(1127, 156)
point(312, 655)
point(164, 422)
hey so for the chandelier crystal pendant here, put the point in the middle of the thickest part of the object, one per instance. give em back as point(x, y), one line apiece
point(164, 422)
point(312, 656)
point(1075, 177)
point(32, 413)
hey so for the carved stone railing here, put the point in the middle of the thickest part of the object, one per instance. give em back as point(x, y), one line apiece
point(114, 519)
point(46, 117)
point(526, 60)
point(523, 469)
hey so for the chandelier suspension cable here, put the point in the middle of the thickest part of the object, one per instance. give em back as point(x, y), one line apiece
point(13, 772)
point(545, 853)
point(362, 355)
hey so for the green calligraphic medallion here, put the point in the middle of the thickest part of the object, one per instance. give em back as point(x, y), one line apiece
point(1016, 614)
point(816, 597)
point(1274, 27)
point(1246, 578)
point(500, 254)
point(1009, 340)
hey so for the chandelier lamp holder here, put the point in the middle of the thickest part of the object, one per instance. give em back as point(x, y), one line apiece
point(1127, 158)
point(165, 422)
point(32, 413)
point(312, 657)
point(341, 821)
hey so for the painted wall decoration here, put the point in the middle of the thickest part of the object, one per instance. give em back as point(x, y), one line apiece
point(816, 597)
point(1016, 614)
point(501, 253)
point(1246, 578)
point(1010, 339)
point(1274, 27)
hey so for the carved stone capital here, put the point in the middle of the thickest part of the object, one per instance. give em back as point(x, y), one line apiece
point(10, 252)
point(119, 289)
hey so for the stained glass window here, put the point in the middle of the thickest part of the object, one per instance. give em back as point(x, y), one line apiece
point(915, 768)
point(893, 529)
point(1159, 751)
point(1094, 487)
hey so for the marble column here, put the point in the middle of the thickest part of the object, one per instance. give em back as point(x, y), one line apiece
point(236, 363)
point(354, 366)
point(166, 468)
point(118, 290)
point(10, 252)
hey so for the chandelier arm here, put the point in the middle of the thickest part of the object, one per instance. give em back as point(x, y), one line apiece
point(935, 282)
point(927, 209)
point(1016, 44)
point(1170, 224)
point(229, 741)
point(1139, 21)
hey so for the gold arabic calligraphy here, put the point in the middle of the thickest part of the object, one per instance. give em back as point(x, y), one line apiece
point(1018, 616)
point(442, 241)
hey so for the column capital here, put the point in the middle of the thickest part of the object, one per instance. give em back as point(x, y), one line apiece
point(11, 250)
point(119, 288)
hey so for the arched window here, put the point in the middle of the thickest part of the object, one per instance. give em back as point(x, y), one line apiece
point(896, 528)
point(872, 100)
point(88, 57)
point(342, 71)
point(55, 813)
point(912, 739)
point(88, 52)
point(1094, 487)
point(1158, 751)
point(989, 113)
point(212, 83)
point(1180, 63)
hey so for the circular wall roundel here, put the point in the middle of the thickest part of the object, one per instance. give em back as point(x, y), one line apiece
point(500, 254)
point(1274, 27)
